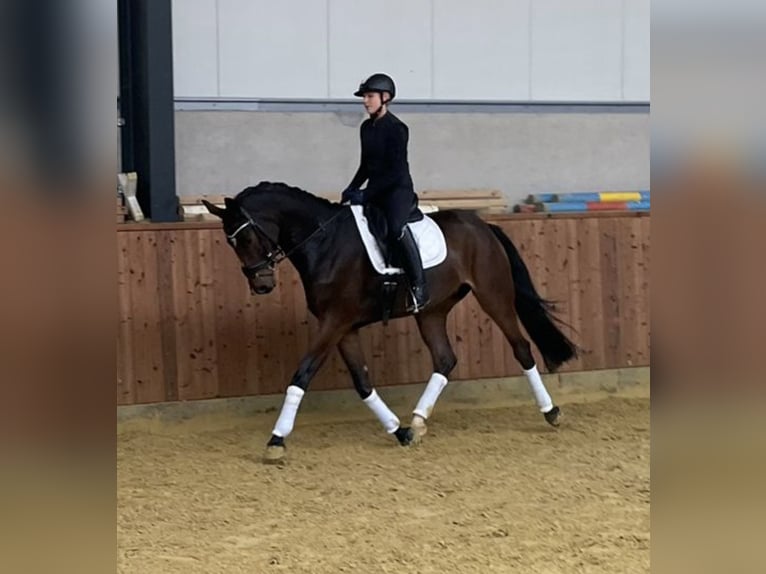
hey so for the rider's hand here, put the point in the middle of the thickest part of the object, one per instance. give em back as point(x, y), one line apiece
point(352, 195)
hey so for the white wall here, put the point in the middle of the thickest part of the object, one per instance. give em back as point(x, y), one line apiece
point(529, 50)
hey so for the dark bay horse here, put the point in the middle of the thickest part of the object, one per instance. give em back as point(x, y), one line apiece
point(272, 221)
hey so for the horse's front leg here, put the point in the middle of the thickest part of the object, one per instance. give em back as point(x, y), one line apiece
point(329, 335)
point(350, 348)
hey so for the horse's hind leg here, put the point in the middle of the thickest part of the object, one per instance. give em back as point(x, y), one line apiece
point(350, 348)
point(433, 329)
point(499, 305)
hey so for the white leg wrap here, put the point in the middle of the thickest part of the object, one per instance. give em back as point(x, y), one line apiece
point(387, 418)
point(428, 399)
point(538, 389)
point(286, 418)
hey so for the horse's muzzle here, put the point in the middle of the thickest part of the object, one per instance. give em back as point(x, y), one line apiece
point(261, 283)
point(261, 290)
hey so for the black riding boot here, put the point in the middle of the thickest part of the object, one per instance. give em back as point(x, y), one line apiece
point(413, 267)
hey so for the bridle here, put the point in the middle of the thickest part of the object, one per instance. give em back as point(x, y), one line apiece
point(275, 254)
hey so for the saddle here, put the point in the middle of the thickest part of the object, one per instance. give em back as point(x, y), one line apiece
point(376, 222)
point(371, 224)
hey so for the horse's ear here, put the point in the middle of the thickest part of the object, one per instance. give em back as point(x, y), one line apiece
point(214, 209)
point(230, 203)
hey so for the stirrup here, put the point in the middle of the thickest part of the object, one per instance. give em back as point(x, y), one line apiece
point(414, 306)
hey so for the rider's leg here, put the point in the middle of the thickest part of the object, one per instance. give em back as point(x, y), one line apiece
point(398, 210)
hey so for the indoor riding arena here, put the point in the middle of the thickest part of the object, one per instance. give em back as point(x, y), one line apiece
point(533, 115)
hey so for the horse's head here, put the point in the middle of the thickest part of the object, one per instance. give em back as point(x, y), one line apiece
point(253, 241)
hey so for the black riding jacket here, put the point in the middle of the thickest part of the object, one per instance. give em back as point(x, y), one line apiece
point(384, 160)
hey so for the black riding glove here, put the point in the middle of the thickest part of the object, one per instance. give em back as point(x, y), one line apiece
point(352, 195)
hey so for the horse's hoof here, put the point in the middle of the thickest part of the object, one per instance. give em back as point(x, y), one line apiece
point(274, 455)
point(405, 436)
point(553, 416)
point(419, 427)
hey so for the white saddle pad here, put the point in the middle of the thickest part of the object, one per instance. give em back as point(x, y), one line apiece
point(428, 236)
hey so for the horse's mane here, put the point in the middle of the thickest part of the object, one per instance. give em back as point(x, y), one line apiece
point(269, 188)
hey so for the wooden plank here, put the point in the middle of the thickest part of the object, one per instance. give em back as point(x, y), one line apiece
point(196, 317)
point(388, 373)
point(592, 328)
point(276, 301)
point(432, 194)
point(641, 303)
point(557, 261)
point(466, 200)
point(137, 312)
point(365, 336)
point(215, 199)
point(208, 363)
point(197, 213)
point(230, 327)
point(628, 275)
point(186, 316)
point(496, 218)
point(180, 311)
point(275, 372)
point(610, 293)
point(257, 380)
point(575, 308)
point(471, 329)
point(270, 372)
point(167, 315)
point(377, 353)
point(481, 209)
point(400, 350)
point(643, 349)
point(467, 203)
point(555, 266)
point(125, 370)
point(409, 353)
point(300, 315)
point(153, 323)
point(462, 324)
point(142, 265)
point(137, 300)
point(418, 355)
point(290, 294)
point(426, 360)
point(337, 373)
point(492, 218)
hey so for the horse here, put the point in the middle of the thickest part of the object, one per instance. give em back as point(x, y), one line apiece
point(269, 222)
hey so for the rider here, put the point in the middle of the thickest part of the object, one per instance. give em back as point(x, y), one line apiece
point(384, 166)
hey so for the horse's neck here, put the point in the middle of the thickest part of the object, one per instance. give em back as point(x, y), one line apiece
point(297, 220)
point(301, 236)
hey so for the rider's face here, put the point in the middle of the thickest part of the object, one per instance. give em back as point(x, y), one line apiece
point(372, 101)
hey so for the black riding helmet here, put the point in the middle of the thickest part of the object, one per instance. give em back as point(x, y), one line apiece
point(377, 83)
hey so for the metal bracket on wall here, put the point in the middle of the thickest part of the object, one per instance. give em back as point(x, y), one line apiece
point(127, 184)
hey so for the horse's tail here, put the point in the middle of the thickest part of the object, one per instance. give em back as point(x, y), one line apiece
point(536, 313)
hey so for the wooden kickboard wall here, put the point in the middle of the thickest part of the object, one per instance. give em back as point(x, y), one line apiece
point(190, 329)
